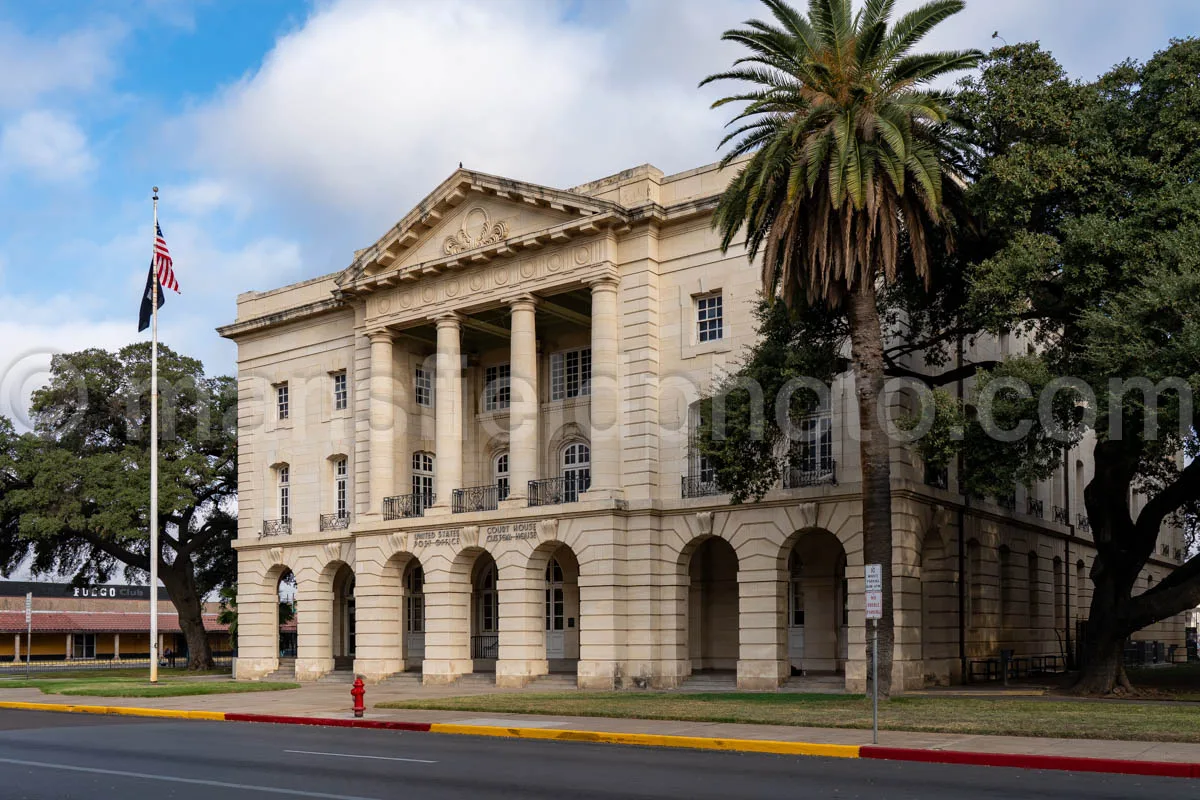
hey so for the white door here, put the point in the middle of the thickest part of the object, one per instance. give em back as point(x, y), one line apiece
point(555, 610)
point(795, 616)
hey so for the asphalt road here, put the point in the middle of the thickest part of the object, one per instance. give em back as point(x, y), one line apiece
point(50, 755)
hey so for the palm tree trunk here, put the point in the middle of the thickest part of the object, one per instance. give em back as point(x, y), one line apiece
point(866, 348)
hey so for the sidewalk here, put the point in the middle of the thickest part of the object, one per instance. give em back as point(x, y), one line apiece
point(333, 701)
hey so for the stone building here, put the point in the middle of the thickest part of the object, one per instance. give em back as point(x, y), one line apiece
point(471, 450)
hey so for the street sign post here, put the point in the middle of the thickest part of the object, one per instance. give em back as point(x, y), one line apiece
point(874, 609)
point(28, 631)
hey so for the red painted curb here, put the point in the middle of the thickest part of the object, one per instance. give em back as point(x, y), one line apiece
point(377, 724)
point(1166, 769)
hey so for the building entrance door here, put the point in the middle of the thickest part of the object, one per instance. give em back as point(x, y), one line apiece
point(795, 614)
point(555, 610)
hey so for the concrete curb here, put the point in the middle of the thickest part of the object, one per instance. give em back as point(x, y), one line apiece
point(1166, 769)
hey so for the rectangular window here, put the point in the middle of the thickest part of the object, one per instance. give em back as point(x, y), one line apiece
point(341, 480)
point(571, 374)
point(423, 384)
point(710, 318)
point(83, 645)
point(341, 397)
point(497, 389)
point(281, 400)
point(285, 493)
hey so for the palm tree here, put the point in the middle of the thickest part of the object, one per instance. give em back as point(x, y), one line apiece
point(844, 185)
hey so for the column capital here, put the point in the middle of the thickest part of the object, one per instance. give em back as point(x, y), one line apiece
point(522, 300)
point(605, 282)
point(448, 319)
point(381, 335)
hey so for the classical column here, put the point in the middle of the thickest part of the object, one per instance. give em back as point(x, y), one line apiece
point(523, 409)
point(382, 421)
point(605, 406)
point(448, 411)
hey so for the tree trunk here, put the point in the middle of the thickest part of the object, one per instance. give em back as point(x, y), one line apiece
point(1103, 669)
point(866, 344)
point(181, 588)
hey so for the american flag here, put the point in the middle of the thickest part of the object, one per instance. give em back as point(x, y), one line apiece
point(163, 263)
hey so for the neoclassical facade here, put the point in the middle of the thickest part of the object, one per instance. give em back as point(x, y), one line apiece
point(471, 450)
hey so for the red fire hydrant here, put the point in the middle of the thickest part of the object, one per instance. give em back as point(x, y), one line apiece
point(358, 692)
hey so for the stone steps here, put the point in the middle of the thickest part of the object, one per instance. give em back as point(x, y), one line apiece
point(706, 682)
point(553, 682)
point(285, 672)
point(337, 676)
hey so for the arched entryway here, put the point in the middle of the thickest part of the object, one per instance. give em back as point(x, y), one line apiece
point(713, 626)
point(285, 590)
point(816, 612)
point(562, 610)
point(939, 610)
point(413, 614)
point(343, 618)
point(485, 613)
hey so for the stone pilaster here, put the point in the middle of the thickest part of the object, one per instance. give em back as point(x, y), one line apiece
point(448, 408)
point(314, 628)
point(523, 412)
point(447, 621)
point(762, 638)
point(522, 654)
point(606, 397)
point(377, 621)
point(382, 420)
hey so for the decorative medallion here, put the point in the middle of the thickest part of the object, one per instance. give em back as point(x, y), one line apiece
point(500, 276)
point(429, 294)
point(476, 281)
point(477, 230)
point(554, 262)
point(383, 304)
point(582, 255)
point(528, 268)
point(452, 288)
point(406, 300)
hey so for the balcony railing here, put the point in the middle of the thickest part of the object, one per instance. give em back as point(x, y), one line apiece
point(823, 472)
point(1082, 522)
point(1007, 501)
point(553, 491)
point(1062, 516)
point(937, 477)
point(475, 498)
point(276, 527)
point(702, 485)
point(1035, 508)
point(335, 522)
point(485, 645)
point(407, 505)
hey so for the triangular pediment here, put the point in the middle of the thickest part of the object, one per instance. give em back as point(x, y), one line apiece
point(472, 212)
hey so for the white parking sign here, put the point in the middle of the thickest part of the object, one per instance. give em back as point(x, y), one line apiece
point(874, 577)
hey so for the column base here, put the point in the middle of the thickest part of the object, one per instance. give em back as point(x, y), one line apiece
point(444, 672)
point(373, 670)
point(310, 669)
point(516, 673)
point(601, 675)
point(762, 675)
point(253, 669)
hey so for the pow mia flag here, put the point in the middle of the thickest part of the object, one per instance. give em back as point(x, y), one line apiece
point(148, 301)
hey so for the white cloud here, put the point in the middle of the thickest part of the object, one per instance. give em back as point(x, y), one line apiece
point(30, 67)
point(46, 144)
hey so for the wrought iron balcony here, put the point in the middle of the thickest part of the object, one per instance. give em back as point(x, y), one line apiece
point(1035, 507)
point(1062, 516)
point(937, 477)
point(1082, 522)
point(475, 498)
point(703, 485)
point(485, 645)
point(1007, 501)
point(818, 474)
point(276, 527)
point(335, 522)
point(553, 491)
point(407, 505)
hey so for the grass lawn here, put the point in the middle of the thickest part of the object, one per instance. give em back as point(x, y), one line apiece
point(113, 686)
point(1002, 716)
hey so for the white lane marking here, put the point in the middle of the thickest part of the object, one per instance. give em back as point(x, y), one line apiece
point(356, 755)
point(171, 779)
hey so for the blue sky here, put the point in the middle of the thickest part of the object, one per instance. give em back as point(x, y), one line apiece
point(286, 133)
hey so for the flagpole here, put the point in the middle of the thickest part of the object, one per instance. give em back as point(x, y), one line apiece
point(154, 449)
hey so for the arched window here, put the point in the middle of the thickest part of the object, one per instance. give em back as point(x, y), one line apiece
point(555, 599)
point(489, 601)
point(341, 486)
point(414, 599)
point(284, 475)
point(422, 481)
point(576, 470)
point(500, 471)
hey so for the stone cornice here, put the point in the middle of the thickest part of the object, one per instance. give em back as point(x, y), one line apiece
point(236, 330)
